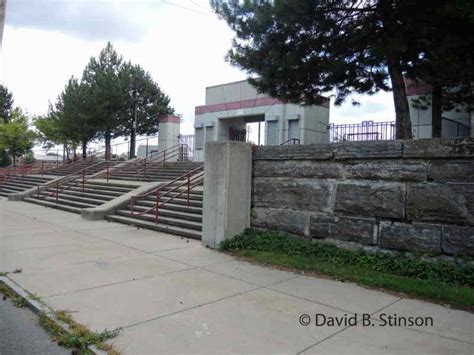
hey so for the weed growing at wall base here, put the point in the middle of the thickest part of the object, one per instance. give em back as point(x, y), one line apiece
point(436, 280)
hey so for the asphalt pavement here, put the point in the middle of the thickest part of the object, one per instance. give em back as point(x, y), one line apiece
point(21, 334)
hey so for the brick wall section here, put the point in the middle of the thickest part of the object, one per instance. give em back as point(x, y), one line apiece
point(396, 195)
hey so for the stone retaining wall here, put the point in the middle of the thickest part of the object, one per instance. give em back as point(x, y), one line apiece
point(396, 195)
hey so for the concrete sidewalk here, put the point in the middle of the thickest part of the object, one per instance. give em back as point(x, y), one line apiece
point(171, 295)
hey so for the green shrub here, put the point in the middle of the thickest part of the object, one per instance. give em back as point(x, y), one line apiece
point(459, 273)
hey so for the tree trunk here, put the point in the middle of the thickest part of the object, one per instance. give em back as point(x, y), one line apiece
point(132, 144)
point(436, 111)
point(402, 111)
point(107, 145)
point(84, 149)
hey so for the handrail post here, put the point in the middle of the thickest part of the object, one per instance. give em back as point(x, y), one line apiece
point(107, 172)
point(188, 188)
point(83, 178)
point(164, 157)
point(132, 204)
point(144, 169)
point(57, 190)
point(157, 205)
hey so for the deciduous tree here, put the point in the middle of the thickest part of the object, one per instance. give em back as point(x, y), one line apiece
point(15, 136)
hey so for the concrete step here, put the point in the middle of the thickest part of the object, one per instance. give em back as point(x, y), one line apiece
point(108, 187)
point(112, 184)
point(24, 186)
point(112, 194)
point(53, 205)
point(78, 198)
point(73, 193)
point(176, 201)
point(165, 212)
point(177, 222)
point(63, 201)
point(190, 233)
point(172, 206)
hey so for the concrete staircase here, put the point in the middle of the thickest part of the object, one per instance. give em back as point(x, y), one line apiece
point(78, 165)
point(73, 198)
point(154, 171)
point(19, 183)
point(175, 217)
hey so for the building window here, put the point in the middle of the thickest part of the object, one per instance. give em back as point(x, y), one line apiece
point(294, 129)
point(272, 132)
point(199, 138)
point(209, 134)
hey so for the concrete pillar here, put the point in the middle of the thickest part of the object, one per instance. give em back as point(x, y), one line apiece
point(168, 135)
point(227, 191)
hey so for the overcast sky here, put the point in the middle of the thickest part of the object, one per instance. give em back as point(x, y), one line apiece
point(180, 42)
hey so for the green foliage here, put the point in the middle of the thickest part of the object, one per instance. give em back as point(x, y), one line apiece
point(6, 108)
point(460, 296)
point(101, 104)
point(30, 158)
point(443, 61)
point(6, 104)
point(106, 92)
point(151, 101)
point(15, 136)
point(78, 337)
point(299, 49)
point(412, 267)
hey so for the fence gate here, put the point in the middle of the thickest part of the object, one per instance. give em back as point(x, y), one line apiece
point(189, 141)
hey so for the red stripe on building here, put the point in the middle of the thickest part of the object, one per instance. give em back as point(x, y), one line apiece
point(414, 87)
point(169, 119)
point(237, 105)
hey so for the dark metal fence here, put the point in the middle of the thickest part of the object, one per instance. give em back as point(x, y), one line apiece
point(189, 141)
point(365, 131)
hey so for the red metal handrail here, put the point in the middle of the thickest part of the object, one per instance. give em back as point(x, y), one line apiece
point(159, 157)
point(22, 170)
point(71, 177)
point(194, 176)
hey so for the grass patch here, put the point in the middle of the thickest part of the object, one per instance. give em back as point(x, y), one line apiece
point(7, 292)
point(436, 280)
point(79, 337)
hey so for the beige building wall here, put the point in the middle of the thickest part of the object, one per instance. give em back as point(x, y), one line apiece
point(230, 105)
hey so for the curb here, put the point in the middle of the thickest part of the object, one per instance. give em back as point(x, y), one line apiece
point(38, 307)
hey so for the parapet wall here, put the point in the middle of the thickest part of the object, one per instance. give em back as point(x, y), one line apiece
point(413, 196)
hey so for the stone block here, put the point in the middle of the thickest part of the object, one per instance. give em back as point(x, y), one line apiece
point(295, 152)
point(293, 222)
point(458, 240)
point(391, 170)
point(416, 237)
point(368, 149)
point(297, 169)
point(359, 230)
point(438, 148)
point(297, 194)
point(451, 171)
point(445, 203)
point(375, 199)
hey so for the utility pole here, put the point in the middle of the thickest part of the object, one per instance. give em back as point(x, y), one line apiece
point(133, 134)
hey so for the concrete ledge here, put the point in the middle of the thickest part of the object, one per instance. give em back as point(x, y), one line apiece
point(99, 212)
point(19, 196)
